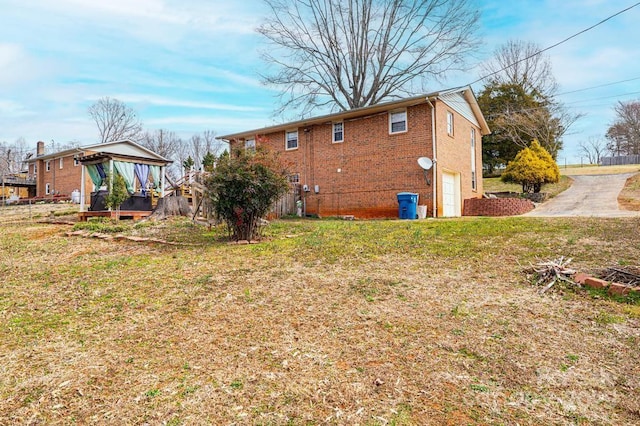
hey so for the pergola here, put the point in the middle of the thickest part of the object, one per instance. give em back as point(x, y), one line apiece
point(143, 176)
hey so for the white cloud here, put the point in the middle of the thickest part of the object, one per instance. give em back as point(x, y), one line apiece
point(222, 124)
point(17, 65)
point(181, 103)
point(11, 109)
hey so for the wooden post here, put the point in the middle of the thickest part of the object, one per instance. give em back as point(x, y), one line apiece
point(82, 187)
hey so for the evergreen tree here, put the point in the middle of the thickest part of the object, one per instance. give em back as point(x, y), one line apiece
point(117, 193)
point(188, 164)
point(208, 161)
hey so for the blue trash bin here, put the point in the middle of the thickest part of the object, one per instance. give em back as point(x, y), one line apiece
point(407, 205)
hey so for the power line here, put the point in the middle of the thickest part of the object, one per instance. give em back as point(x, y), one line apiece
point(556, 44)
point(603, 97)
point(597, 87)
point(567, 104)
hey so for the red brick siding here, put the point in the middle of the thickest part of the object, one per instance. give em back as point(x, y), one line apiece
point(362, 175)
point(453, 153)
point(64, 180)
point(496, 206)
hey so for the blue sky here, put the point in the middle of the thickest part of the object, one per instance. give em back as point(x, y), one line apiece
point(193, 65)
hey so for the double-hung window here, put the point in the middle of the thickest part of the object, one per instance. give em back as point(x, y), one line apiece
point(398, 121)
point(449, 123)
point(61, 161)
point(47, 165)
point(250, 144)
point(474, 183)
point(338, 132)
point(291, 139)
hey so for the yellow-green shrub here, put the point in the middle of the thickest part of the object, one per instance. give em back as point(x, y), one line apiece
point(532, 168)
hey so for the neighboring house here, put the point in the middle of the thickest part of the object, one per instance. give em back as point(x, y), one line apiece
point(82, 170)
point(15, 186)
point(356, 162)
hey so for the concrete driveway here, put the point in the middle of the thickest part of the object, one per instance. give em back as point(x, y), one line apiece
point(590, 195)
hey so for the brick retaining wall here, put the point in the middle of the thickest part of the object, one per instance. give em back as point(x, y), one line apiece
point(496, 206)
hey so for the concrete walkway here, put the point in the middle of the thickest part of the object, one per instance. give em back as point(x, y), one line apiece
point(590, 195)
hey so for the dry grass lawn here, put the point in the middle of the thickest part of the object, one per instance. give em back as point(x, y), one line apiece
point(325, 322)
point(599, 170)
point(629, 198)
point(553, 189)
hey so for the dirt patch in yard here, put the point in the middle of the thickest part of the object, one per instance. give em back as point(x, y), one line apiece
point(629, 198)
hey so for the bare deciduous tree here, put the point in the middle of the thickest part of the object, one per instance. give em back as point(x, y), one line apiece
point(353, 53)
point(593, 149)
point(624, 133)
point(197, 150)
point(165, 143)
point(547, 124)
point(211, 144)
point(12, 156)
point(201, 144)
point(519, 62)
point(115, 120)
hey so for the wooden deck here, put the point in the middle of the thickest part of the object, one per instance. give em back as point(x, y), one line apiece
point(124, 214)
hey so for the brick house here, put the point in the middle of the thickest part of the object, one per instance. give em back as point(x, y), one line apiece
point(356, 162)
point(61, 173)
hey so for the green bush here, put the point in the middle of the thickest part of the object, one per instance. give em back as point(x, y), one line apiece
point(243, 187)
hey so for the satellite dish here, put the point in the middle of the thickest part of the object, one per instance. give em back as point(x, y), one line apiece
point(425, 162)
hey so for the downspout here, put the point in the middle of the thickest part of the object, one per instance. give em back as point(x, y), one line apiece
point(435, 162)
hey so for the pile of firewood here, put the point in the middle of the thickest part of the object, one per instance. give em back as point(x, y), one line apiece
point(550, 272)
point(629, 275)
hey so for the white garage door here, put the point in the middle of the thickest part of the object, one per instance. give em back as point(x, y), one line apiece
point(450, 195)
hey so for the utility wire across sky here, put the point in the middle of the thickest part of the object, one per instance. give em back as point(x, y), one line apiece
point(557, 44)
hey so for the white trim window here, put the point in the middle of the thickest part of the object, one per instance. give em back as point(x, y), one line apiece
point(338, 132)
point(75, 161)
point(250, 144)
point(61, 162)
point(291, 140)
point(449, 123)
point(294, 178)
point(35, 169)
point(48, 165)
point(47, 189)
point(398, 121)
point(474, 180)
